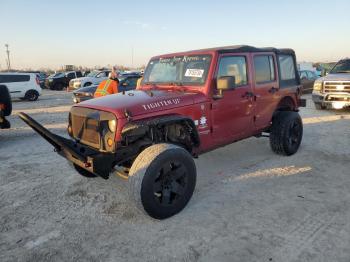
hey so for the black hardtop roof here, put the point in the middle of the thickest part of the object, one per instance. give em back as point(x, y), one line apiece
point(240, 49)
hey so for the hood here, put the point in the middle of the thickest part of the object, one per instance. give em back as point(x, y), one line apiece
point(336, 77)
point(138, 102)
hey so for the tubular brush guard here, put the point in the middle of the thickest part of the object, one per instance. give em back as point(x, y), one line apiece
point(98, 163)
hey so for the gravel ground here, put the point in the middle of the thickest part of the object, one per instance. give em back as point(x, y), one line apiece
point(249, 204)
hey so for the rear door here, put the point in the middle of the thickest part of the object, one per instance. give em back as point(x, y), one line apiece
point(266, 88)
point(232, 117)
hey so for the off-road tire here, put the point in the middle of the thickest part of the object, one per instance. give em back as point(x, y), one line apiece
point(31, 95)
point(87, 84)
point(83, 172)
point(162, 180)
point(286, 133)
point(5, 99)
point(319, 106)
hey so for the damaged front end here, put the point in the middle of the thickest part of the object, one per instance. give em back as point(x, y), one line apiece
point(96, 153)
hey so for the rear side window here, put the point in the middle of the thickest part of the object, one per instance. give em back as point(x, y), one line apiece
point(14, 78)
point(234, 66)
point(264, 68)
point(79, 74)
point(287, 71)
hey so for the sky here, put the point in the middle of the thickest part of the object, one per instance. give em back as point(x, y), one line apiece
point(53, 33)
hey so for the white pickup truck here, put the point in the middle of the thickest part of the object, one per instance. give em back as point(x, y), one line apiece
point(93, 78)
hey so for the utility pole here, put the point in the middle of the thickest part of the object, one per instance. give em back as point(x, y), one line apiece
point(8, 57)
point(132, 56)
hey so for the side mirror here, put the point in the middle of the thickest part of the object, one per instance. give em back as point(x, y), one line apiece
point(225, 83)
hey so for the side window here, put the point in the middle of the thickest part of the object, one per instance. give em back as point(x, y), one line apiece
point(303, 75)
point(132, 81)
point(234, 66)
point(79, 74)
point(287, 71)
point(264, 68)
point(311, 75)
point(14, 78)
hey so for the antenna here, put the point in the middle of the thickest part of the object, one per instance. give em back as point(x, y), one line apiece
point(8, 57)
point(132, 56)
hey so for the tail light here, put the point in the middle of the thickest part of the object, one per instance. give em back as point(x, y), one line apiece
point(37, 81)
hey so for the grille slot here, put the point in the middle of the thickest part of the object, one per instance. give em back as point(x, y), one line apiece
point(336, 87)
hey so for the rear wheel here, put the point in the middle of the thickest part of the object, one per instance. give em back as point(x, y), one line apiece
point(319, 106)
point(162, 180)
point(286, 133)
point(83, 172)
point(31, 95)
point(58, 86)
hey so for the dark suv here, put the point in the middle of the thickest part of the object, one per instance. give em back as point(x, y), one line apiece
point(58, 81)
point(189, 103)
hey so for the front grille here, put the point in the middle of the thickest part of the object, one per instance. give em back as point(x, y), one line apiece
point(90, 127)
point(85, 126)
point(336, 86)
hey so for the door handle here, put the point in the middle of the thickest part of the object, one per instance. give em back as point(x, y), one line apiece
point(273, 90)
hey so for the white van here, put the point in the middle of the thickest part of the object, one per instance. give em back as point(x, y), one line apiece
point(22, 85)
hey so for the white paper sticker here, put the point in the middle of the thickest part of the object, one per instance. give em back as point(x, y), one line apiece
point(194, 73)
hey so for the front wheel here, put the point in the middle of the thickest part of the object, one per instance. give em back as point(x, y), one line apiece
point(162, 180)
point(286, 133)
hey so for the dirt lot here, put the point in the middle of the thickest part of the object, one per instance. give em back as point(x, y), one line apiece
point(249, 204)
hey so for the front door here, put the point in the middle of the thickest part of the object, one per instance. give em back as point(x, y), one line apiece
point(232, 114)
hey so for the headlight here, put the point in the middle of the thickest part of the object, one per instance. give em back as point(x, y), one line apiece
point(318, 86)
point(112, 125)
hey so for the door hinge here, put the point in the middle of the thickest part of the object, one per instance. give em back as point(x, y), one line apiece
point(254, 118)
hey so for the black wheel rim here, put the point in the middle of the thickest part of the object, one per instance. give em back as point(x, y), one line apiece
point(171, 183)
point(294, 134)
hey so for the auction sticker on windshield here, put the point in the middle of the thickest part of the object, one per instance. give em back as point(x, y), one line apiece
point(194, 72)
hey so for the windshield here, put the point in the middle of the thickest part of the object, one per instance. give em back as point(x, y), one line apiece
point(179, 70)
point(93, 73)
point(341, 67)
point(56, 75)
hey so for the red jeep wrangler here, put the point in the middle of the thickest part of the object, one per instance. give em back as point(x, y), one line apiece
point(188, 103)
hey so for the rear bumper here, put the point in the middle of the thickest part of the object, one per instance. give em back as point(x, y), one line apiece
point(98, 163)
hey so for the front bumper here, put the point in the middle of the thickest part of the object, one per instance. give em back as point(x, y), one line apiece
point(333, 100)
point(96, 162)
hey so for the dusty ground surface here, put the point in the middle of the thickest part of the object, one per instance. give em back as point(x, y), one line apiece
point(249, 204)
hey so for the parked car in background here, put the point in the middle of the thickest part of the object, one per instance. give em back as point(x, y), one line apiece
point(22, 85)
point(58, 81)
point(126, 83)
point(5, 107)
point(42, 77)
point(307, 78)
point(93, 78)
point(333, 90)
